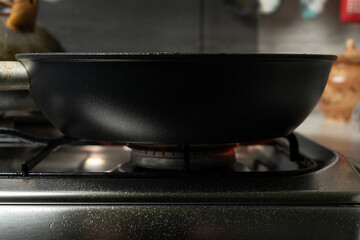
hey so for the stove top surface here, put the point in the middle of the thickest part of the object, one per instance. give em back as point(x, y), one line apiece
point(261, 172)
point(88, 189)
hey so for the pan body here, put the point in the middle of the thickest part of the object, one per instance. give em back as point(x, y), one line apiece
point(176, 98)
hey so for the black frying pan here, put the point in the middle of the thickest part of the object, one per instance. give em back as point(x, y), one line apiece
point(174, 98)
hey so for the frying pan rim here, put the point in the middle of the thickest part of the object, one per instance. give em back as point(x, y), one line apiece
point(164, 56)
point(54, 97)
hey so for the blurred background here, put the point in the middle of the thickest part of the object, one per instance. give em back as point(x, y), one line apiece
point(198, 25)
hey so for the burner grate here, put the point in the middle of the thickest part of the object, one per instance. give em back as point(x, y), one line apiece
point(49, 145)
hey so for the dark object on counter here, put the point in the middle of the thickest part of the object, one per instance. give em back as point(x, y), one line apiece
point(12, 42)
point(19, 32)
point(176, 98)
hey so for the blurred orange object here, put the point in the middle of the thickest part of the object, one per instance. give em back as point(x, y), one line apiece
point(342, 91)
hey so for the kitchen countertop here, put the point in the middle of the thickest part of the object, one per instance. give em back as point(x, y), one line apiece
point(342, 137)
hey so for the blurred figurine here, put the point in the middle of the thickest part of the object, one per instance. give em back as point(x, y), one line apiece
point(342, 92)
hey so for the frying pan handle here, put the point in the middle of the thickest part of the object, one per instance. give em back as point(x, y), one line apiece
point(13, 76)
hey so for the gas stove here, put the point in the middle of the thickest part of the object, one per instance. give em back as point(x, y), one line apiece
point(284, 188)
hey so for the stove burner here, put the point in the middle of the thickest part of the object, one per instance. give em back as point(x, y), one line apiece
point(272, 156)
point(172, 157)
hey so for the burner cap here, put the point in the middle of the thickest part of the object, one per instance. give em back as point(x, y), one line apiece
point(172, 157)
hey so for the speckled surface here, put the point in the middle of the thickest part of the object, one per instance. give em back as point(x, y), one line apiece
point(179, 222)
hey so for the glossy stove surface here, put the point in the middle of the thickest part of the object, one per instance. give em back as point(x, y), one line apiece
point(77, 192)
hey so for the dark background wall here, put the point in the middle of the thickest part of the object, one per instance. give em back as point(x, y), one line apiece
point(192, 26)
point(146, 26)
